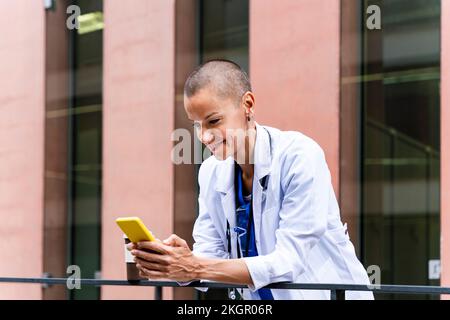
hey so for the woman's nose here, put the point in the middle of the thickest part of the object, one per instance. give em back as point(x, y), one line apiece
point(207, 137)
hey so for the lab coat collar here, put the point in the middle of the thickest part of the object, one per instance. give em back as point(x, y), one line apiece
point(225, 175)
point(225, 186)
point(225, 180)
point(262, 159)
point(262, 154)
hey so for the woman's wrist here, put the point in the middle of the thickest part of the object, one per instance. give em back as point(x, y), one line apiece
point(222, 270)
point(199, 271)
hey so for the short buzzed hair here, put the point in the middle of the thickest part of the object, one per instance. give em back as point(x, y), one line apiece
point(226, 77)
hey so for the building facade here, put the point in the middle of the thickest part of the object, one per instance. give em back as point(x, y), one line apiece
point(92, 91)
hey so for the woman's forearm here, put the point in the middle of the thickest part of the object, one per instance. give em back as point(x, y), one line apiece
point(224, 270)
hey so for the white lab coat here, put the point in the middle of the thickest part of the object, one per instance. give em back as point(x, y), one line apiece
point(299, 235)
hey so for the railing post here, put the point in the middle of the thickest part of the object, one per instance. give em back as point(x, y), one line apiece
point(337, 294)
point(158, 293)
point(340, 294)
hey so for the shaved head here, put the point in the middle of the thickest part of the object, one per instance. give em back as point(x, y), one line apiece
point(226, 78)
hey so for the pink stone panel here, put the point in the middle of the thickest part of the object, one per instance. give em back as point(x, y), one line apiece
point(294, 69)
point(138, 118)
point(22, 113)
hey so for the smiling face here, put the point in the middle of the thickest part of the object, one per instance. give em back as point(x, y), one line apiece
point(218, 121)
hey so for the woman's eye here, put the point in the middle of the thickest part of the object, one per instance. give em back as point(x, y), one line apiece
point(214, 121)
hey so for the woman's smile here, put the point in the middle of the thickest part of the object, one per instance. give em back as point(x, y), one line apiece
point(214, 146)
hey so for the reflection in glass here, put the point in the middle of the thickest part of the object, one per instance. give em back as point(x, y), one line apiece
point(224, 30)
point(85, 145)
point(400, 147)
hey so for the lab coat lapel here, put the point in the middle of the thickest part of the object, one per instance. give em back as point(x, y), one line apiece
point(225, 181)
point(263, 161)
point(225, 187)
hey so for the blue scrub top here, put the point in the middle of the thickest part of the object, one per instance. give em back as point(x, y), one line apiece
point(245, 226)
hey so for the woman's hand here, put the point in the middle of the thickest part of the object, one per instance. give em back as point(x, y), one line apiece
point(171, 259)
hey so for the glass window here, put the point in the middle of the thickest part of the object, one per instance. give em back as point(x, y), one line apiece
point(397, 77)
point(73, 157)
point(85, 145)
point(224, 30)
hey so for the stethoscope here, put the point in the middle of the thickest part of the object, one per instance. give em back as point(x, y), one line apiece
point(233, 293)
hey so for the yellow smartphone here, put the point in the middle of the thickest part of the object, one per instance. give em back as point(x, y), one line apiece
point(135, 229)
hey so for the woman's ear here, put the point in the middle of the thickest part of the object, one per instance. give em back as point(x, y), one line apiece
point(249, 101)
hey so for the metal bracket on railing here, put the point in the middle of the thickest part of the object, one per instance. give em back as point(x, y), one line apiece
point(46, 275)
point(49, 5)
point(158, 293)
point(98, 276)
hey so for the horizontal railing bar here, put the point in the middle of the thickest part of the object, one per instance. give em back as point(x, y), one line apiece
point(406, 289)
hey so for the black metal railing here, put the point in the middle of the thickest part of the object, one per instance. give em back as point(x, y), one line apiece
point(337, 290)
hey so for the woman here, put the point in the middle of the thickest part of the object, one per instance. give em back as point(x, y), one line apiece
point(267, 209)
